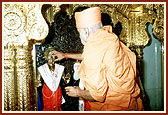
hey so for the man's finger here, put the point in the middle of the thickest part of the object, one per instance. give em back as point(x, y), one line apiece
point(69, 87)
point(58, 59)
point(54, 52)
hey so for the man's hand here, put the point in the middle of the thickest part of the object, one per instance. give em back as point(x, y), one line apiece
point(77, 92)
point(72, 91)
point(57, 54)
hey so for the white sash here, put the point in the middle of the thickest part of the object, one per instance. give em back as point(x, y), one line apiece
point(52, 81)
point(75, 67)
point(76, 77)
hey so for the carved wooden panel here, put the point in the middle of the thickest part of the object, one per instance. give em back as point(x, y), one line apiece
point(23, 25)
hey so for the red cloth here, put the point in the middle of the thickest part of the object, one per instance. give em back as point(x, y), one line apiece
point(87, 106)
point(52, 101)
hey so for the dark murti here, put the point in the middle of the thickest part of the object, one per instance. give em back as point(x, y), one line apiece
point(63, 37)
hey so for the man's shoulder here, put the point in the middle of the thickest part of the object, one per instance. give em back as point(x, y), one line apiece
point(106, 35)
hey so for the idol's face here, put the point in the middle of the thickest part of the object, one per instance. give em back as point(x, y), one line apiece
point(50, 60)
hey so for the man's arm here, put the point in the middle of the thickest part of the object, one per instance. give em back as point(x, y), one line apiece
point(77, 92)
point(73, 56)
point(61, 55)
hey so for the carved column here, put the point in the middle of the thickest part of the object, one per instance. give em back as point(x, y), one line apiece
point(23, 26)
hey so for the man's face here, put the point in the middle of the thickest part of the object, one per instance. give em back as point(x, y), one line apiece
point(83, 35)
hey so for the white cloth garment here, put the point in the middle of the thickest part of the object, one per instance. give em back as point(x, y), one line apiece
point(81, 101)
point(75, 67)
point(51, 80)
point(63, 100)
point(81, 86)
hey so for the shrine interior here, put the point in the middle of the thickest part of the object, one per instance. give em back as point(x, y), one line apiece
point(31, 29)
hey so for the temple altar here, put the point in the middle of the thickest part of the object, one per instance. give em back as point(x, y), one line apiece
point(29, 29)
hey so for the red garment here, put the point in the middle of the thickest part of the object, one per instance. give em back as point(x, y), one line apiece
point(52, 101)
point(87, 106)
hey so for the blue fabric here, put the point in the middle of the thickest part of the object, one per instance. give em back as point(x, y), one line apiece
point(36, 46)
point(40, 108)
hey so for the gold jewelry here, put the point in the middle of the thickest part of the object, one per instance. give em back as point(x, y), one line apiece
point(66, 78)
point(46, 96)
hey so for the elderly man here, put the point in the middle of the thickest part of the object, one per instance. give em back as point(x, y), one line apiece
point(108, 67)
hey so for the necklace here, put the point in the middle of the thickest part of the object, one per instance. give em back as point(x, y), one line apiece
point(47, 96)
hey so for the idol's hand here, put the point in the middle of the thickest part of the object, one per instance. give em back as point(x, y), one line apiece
point(57, 56)
point(72, 91)
point(38, 83)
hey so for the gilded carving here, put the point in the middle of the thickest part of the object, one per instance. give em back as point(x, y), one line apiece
point(36, 24)
point(133, 18)
point(50, 12)
point(14, 24)
point(158, 26)
point(23, 25)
